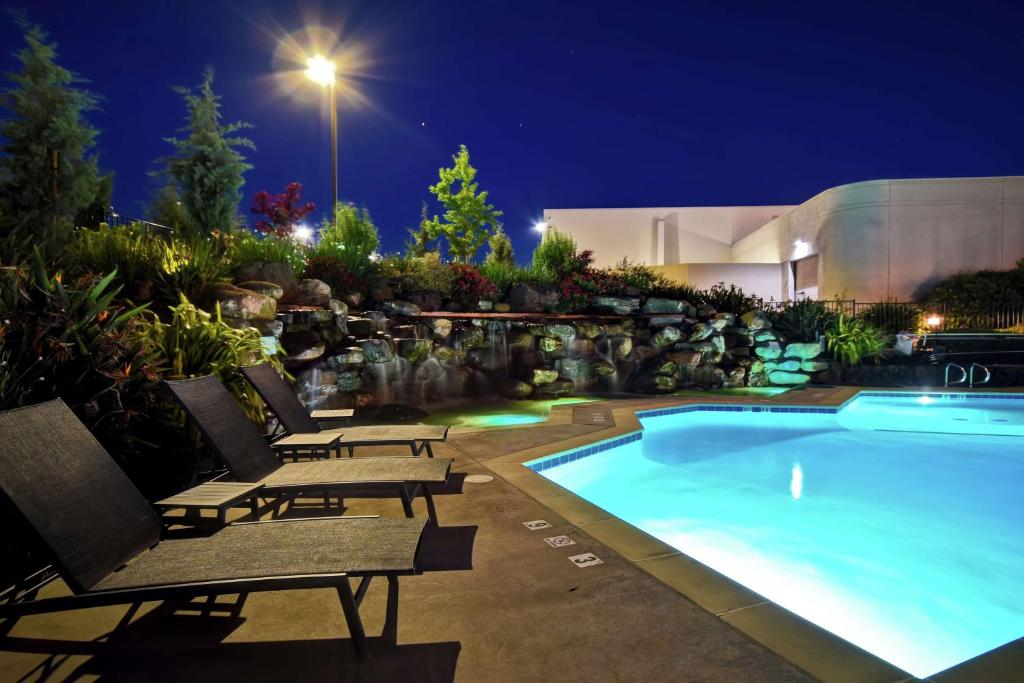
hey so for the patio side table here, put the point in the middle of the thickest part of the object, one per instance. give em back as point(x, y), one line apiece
point(213, 495)
point(321, 444)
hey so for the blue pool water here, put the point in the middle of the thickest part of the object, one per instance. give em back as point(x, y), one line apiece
point(896, 523)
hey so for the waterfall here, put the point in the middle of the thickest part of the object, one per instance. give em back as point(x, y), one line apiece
point(497, 343)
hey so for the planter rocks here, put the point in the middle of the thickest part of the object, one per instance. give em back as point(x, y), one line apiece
point(788, 378)
point(401, 308)
point(302, 345)
point(273, 290)
point(377, 351)
point(280, 274)
point(615, 304)
point(524, 298)
point(804, 351)
point(656, 305)
point(244, 304)
point(543, 376)
point(414, 350)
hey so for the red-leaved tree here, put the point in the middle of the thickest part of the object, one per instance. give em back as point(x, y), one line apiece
point(282, 211)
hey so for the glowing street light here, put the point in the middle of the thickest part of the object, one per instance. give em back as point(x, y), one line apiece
point(933, 321)
point(321, 70)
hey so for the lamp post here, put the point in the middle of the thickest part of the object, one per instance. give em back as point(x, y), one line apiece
point(321, 70)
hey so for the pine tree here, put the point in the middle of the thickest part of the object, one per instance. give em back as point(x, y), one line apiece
point(501, 248)
point(468, 219)
point(207, 167)
point(47, 174)
point(418, 243)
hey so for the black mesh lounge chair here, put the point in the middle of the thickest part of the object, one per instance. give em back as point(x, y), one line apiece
point(104, 538)
point(289, 410)
point(239, 444)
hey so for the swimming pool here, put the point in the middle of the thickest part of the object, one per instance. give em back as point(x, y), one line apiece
point(895, 523)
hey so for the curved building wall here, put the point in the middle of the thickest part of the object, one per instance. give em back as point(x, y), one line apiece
point(895, 238)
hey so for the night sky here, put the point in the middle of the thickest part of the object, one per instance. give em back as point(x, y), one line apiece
point(567, 104)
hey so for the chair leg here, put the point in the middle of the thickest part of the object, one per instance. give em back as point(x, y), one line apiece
point(355, 624)
point(390, 632)
point(406, 501)
point(430, 451)
point(351, 451)
point(431, 510)
point(415, 451)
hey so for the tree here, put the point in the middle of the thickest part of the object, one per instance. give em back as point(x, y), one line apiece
point(167, 210)
point(418, 243)
point(468, 219)
point(501, 249)
point(282, 211)
point(207, 167)
point(47, 174)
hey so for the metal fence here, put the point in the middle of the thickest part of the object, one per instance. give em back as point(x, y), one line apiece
point(897, 316)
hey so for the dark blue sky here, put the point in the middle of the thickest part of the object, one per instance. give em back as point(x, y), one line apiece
point(570, 104)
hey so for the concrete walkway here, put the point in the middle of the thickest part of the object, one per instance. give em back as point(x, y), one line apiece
point(522, 612)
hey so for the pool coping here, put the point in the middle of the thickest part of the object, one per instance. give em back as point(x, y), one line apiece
point(800, 642)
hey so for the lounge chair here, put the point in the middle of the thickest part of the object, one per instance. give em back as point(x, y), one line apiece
point(244, 451)
point(292, 415)
point(105, 542)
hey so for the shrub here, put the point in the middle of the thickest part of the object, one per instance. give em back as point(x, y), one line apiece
point(413, 274)
point(335, 273)
point(151, 267)
point(851, 340)
point(469, 286)
point(578, 289)
point(970, 293)
point(501, 249)
point(194, 343)
point(351, 239)
point(248, 247)
point(803, 320)
point(504, 275)
point(892, 316)
point(729, 299)
point(555, 258)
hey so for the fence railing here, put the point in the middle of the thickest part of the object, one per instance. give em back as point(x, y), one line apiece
point(897, 316)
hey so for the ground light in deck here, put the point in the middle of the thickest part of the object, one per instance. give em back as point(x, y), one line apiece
point(503, 414)
point(894, 524)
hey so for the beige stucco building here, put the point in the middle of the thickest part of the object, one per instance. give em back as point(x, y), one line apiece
point(870, 241)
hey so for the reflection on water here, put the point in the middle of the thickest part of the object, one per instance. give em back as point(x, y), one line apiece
point(796, 482)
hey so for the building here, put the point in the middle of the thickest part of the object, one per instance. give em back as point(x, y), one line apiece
point(870, 241)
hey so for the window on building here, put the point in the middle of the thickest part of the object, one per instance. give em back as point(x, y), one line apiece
point(805, 275)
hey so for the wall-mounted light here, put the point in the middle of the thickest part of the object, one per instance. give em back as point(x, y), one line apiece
point(540, 226)
point(800, 250)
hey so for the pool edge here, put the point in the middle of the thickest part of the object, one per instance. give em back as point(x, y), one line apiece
point(798, 641)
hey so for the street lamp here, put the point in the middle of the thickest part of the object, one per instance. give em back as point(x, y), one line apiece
point(320, 70)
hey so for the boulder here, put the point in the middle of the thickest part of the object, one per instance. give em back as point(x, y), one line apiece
point(395, 307)
point(657, 305)
point(268, 328)
point(244, 304)
point(684, 358)
point(738, 351)
point(616, 304)
point(302, 344)
point(602, 368)
point(756, 320)
point(758, 379)
point(440, 327)
point(338, 308)
point(470, 338)
point(350, 380)
point(515, 389)
point(588, 330)
point(559, 387)
point(813, 365)
point(735, 378)
point(309, 292)
point(706, 311)
point(557, 331)
point(447, 354)
point(414, 350)
point(582, 347)
point(785, 366)
point(701, 331)
point(708, 376)
point(502, 307)
point(654, 384)
point(425, 301)
point(644, 352)
point(664, 367)
point(618, 329)
point(715, 344)
point(765, 336)
point(377, 351)
point(663, 320)
point(274, 272)
point(521, 340)
point(316, 384)
point(360, 327)
point(621, 347)
point(550, 345)
point(321, 316)
point(524, 298)
point(788, 378)
point(271, 289)
point(351, 358)
point(575, 369)
point(769, 351)
point(666, 336)
point(353, 299)
point(723, 320)
point(543, 376)
point(803, 351)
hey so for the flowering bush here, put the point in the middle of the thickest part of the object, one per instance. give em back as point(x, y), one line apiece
point(469, 286)
point(579, 288)
point(282, 211)
point(335, 273)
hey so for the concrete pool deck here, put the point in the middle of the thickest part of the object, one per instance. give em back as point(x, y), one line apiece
point(507, 605)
